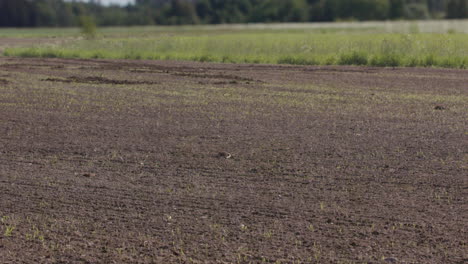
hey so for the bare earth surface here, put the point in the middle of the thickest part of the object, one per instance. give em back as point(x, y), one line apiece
point(18, 42)
point(178, 162)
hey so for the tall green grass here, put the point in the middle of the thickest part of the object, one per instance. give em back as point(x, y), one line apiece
point(403, 27)
point(284, 47)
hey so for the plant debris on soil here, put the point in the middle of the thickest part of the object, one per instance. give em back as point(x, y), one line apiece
point(440, 107)
point(4, 81)
point(225, 155)
point(96, 80)
point(331, 164)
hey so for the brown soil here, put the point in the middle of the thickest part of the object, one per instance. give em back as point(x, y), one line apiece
point(187, 162)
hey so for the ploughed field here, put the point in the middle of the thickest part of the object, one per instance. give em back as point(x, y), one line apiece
point(106, 161)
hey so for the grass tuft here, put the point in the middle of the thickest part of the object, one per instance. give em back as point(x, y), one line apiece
point(386, 60)
point(353, 58)
point(296, 60)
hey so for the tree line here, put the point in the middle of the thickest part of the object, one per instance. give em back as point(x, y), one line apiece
point(60, 13)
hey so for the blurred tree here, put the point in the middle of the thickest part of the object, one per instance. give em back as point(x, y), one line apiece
point(364, 9)
point(437, 8)
point(180, 12)
point(397, 8)
point(17, 13)
point(457, 9)
point(416, 9)
point(22, 13)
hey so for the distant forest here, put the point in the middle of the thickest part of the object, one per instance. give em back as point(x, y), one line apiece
point(60, 13)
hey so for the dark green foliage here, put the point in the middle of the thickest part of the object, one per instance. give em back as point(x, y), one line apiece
point(396, 9)
point(17, 13)
point(361, 9)
point(457, 9)
point(296, 60)
point(353, 58)
point(52, 13)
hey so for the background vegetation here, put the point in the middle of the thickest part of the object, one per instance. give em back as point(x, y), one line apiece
point(52, 13)
point(351, 44)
